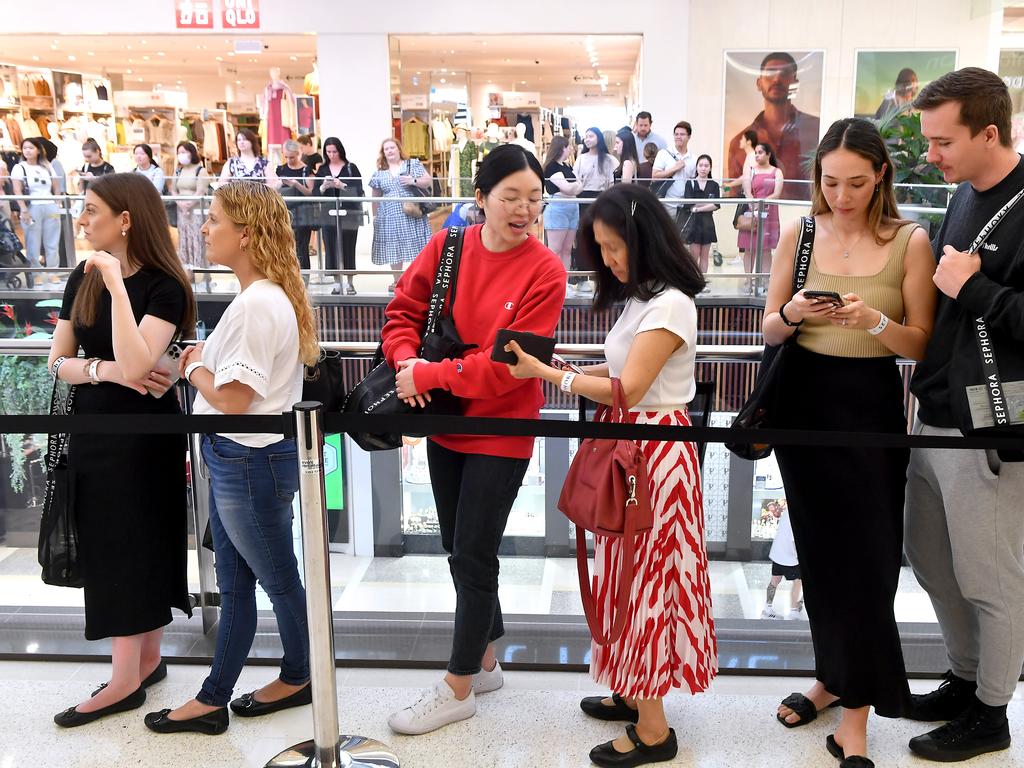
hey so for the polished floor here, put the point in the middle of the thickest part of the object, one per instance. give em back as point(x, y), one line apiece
point(533, 721)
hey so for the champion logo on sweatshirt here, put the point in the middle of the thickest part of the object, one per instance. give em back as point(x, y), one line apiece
point(510, 305)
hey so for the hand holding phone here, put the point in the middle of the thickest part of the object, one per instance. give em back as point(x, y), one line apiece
point(830, 297)
point(169, 361)
point(564, 364)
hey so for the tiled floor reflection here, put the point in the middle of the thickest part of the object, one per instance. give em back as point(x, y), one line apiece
point(534, 720)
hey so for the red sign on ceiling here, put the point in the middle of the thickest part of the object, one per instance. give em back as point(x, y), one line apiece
point(240, 14)
point(193, 14)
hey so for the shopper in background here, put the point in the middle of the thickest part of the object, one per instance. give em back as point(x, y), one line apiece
point(338, 177)
point(765, 182)
point(294, 184)
point(785, 565)
point(145, 165)
point(595, 170)
point(475, 480)
point(312, 158)
point(190, 179)
point(747, 142)
point(699, 231)
point(645, 171)
point(251, 364)
point(121, 308)
point(625, 148)
point(249, 163)
point(561, 217)
point(679, 164)
point(397, 237)
point(669, 637)
point(40, 217)
point(643, 136)
point(841, 375)
point(95, 166)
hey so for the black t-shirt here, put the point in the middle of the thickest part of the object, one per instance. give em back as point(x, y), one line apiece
point(952, 360)
point(555, 167)
point(96, 170)
point(312, 161)
point(351, 177)
point(284, 172)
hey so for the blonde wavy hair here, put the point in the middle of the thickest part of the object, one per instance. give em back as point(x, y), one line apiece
point(263, 212)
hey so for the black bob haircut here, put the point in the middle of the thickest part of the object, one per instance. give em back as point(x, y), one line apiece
point(500, 163)
point(658, 258)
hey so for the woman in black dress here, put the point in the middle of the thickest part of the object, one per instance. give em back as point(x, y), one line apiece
point(337, 177)
point(700, 233)
point(123, 307)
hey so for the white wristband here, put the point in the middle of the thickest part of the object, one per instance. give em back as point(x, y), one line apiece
point(94, 367)
point(566, 384)
point(883, 321)
point(190, 369)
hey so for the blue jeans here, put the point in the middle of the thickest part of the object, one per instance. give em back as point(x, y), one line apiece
point(251, 491)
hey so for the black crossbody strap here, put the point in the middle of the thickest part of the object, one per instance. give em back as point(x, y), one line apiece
point(982, 336)
point(804, 248)
point(445, 279)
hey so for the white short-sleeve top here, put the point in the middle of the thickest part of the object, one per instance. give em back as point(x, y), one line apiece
point(256, 342)
point(674, 311)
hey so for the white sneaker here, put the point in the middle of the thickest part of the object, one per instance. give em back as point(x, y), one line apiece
point(795, 614)
point(436, 708)
point(485, 682)
point(769, 613)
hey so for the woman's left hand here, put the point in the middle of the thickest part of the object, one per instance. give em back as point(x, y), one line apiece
point(528, 366)
point(855, 315)
point(108, 266)
point(158, 382)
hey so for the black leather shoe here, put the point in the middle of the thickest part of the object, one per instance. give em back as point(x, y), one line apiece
point(619, 710)
point(212, 723)
point(72, 718)
point(946, 702)
point(853, 761)
point(977, 731)
point(155, 677)
point(247, 706)
point(606, 756)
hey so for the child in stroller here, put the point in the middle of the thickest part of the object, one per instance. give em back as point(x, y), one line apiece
point(11, 256)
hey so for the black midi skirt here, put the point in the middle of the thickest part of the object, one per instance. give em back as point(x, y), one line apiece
point(846, 507)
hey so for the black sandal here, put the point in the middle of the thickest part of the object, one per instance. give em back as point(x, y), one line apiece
point(606, 756)
point(853, 761)
point(619, 709)
point(803, 707)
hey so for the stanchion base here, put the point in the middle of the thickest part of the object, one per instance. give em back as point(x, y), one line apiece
point(353, 752)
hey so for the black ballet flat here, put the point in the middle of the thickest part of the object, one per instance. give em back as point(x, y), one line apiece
point(212, 723)
point(72, 718)
point(619, 710)
point(155, 677)
point(606, 756)
point(853, 761)
point(247, 706)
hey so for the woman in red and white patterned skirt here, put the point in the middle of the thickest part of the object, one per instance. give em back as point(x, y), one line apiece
point(669, 637)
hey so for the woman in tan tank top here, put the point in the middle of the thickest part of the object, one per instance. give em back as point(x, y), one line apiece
point(846, 503)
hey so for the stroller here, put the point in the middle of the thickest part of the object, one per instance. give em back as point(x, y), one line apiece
point(11, 256)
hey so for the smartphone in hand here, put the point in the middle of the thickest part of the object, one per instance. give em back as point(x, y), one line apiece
point(561, 362)
point(828, 296)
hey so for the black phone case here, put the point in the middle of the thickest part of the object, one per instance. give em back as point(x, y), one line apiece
point(540, 347)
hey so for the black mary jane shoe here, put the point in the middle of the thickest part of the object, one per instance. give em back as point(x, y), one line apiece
point(247, 706)
point(606, 756)
point(212, 723)
point(72, 718)
point(853, 761)
point(155, 677)
point(619, 709)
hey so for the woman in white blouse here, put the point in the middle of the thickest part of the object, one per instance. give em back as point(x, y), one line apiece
point(251, 364)
point(669, 636)
point(145, 165)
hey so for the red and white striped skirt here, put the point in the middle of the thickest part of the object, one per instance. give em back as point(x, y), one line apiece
point(669, 638)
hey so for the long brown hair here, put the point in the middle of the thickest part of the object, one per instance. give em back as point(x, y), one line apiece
point(263, 212)
point(555, 149)
point(149, 244)
point(382, 162)
point(862, 138)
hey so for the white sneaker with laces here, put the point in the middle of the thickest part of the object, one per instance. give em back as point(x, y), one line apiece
point(769, 613)
point(485, 682)
point(436, 708)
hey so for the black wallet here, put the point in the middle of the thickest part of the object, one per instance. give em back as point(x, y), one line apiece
point(541, 347)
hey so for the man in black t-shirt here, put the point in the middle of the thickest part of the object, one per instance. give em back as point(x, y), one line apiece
point(965, 508)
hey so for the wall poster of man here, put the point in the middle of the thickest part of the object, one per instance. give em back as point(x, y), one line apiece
point(777, 94)
point(887, 82)
point(1011, 69)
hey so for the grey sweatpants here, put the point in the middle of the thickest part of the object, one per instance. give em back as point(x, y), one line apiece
point(965, 540)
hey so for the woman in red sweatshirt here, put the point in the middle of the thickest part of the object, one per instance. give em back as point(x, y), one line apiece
point(507, 279)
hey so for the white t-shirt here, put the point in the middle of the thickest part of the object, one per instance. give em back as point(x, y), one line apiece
point(594, 177)
point(664, 160)
point(674, 311)
point(783, 549)
point(37, 178)
point(256, 342)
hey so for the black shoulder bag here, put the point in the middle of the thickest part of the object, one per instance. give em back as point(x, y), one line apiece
point(756, 412)
point(441, 341)
point(58, 532)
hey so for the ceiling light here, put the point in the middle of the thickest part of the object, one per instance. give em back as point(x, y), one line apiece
point(140, 79)
point(231, 53)
point(443, 81)
point(159, 85)
point(443, 70)
point(219, 58)
point(72, 57)
point(179, 82)
point(618, 83)
point(35, 58)
point(53, 47)
point(143, 42)
point(419, 73)
point(452, 51)
point(568, 98)
point(127, 71)
point(483, 42)
point(238, 82)
point(128, 47)
point(293, 58)
point(522, 82)
point(90, 53)
point(507, 60)
point(160, 53)
point(145, 58)
point(131, 61)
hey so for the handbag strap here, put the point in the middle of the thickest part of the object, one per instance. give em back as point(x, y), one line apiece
point(445, 279)
point(804, 249)
point(618, 402)
point(996, 394)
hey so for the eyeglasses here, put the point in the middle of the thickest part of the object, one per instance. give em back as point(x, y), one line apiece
point(514, 204)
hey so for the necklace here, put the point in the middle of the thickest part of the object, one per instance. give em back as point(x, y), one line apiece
point(846, 250)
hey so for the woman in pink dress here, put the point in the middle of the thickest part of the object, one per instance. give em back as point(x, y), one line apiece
point(764, 183)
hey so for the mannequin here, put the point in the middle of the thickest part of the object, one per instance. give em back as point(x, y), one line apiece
point(524, 142)
point(492, 140)
point(279, 114)
point(462, 167)
point(311, 86)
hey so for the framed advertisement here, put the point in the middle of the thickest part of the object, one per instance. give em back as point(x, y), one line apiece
point(886, 82)
point(777, 95)
point(1011, 69)
point(67, 88)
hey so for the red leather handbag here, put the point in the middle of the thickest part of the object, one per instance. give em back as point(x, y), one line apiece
point(606, 493)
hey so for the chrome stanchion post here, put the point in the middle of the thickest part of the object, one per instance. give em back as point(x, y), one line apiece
point(326, 749)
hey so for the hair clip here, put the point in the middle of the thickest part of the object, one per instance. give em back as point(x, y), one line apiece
point(632, 208)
